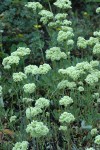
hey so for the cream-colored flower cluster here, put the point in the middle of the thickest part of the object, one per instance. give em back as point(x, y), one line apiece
point(20, 76)
point(98, 10)
point(31, 69)
point(65, 101)
point(37, 129)
point(21, 146)
point(81, 43)
point(64, 36)
point(42, 103)
point(13, 118)
point(55, 53)
point(94, 131)
point(44, 69)
point(61, 16)
point(45, 16)
point(9, 61)
point(63, 4)
point(63, 128)
point(96, 49)
point(31, 112)
point(15, 57)
point(21, 52)
point(34, 5)
point(97, 140)
point(34, 70)
point(66, 84)
point(72, 72)
point(96, 33)
point(66, 117)
point(29, 88)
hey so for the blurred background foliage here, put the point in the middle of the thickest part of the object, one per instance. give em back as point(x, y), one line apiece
point(18, 25)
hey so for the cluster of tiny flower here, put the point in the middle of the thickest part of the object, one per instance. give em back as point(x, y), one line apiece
point(20, 76)
point(65, 101)
point(94, 131)
point(29, 88)
point(96, 33)
point(27, 100)
point(37, 129)
point(42, 103)
point(9, 61)
point(63, 128)
point(32, 112)
point(91, 79)
point(64, 36)
point(72, 72)
point(34, 5)
point(96, 49)
point(63, 4)
point(55, 53)
point(21, 52)
point(34, 70)
point(81, 43)
point(80, 88)
point(44, 69)
point(13, 118)
point(45, 16)
point(60, 16)
point(31, 69)
point(96, 95)
point(15, 57)
point(21, 146)
point(98, 10)
point(97, 140)
point(66, 117)
point(66, 84)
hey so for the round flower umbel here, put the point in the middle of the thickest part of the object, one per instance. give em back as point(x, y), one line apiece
point(94, 131)
point(97, 140)
point(13, 118)
point(66, 100)
point(21, 146)
point(66, 84)
point(9, 61)
point(32, 112)
point(34, 5)
point(63, 128)
point(20, 76)
point(37, 129)
point(80, 88)
point(42, 103)
point(55, 53)
point(66, 118)
point(63, 4)
point(31, 69)
point(21, 52)
point(64, 36)
point(91, 79)
point(81, 43)
point(96, 49)
point(45, 16)
point(29, 88)
point(60, 16)
point(98, 10)
point(44, 69)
